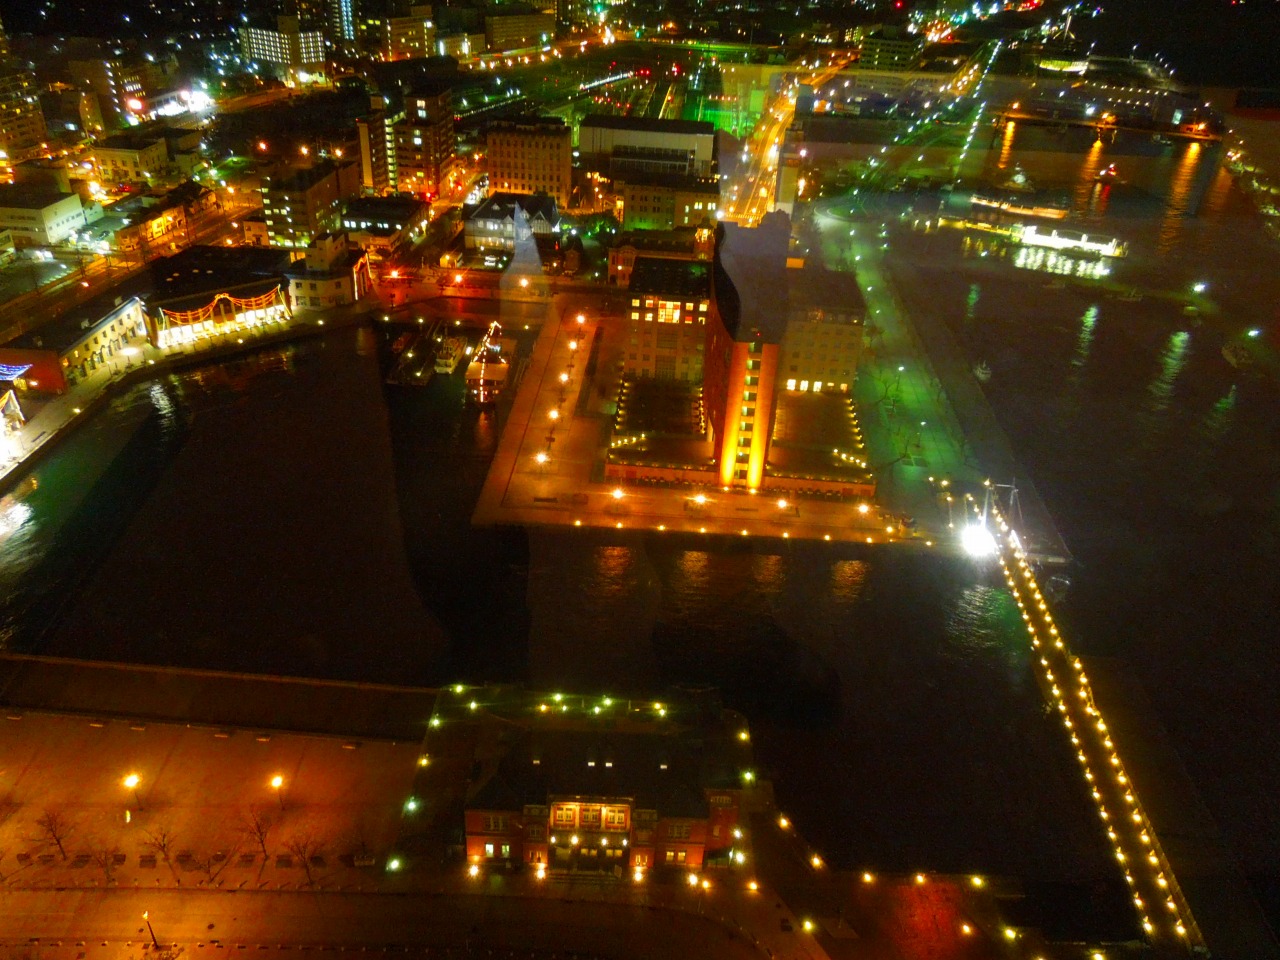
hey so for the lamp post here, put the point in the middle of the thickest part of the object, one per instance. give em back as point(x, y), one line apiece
point(276, 783)
point(146, 916)
point(131, 783)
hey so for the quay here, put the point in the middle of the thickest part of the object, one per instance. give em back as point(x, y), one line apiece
point(197, 796)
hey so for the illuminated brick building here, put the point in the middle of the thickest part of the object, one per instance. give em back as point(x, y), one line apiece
point(635, 793)
point(668, 319)
point(779, 327)
point(530, 155)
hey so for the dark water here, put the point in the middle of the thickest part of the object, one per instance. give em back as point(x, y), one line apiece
point(889, 695)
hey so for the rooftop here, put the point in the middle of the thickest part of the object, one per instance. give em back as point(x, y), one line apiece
point(659, 764)
point(499, 206)
point(128, 141)
point(813, 287)
point(303, 178)
point(396, 210)
point(198, 270)
point(650, 125)
point(212, 698)
point(529, 122)
point(663, 276)
point(62, 333)
point(24, 196)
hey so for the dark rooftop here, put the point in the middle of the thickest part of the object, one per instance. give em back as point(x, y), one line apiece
point(501, 205)
point(398, 210)
point(649, 124)
point(660, 766)
point(129, 141)
point(64, 332)
point(197, 271)
point(663, 276)
point(528, 122)
point(666, 240)
point(30, 196)
point(303, 178)
point(816, 287)
point(113, 691)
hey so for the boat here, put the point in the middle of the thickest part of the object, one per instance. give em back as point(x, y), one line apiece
point(1107, 174)
point(1133, 296)
point(982, 372)
point(485, 379)
point(451, 354)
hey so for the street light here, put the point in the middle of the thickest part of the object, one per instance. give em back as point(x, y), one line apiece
point(131, 783)
point(146, 916)
point(276, 783)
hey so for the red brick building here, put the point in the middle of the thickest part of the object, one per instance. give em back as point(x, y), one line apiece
point(633, 796)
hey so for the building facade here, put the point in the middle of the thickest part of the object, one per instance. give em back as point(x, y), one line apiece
point(668, 319)
point(21, 119)
point(516, 31)
point(424, 141)
point(413, 35)
point(61, 353)
point(123, 158)
point(625, 802)
point(39, 217)
point(531, 155)
point(505, 220)
point(332, 274)
point(617, 146)
point(667, 201)
point(305, 203)
point(288, 49)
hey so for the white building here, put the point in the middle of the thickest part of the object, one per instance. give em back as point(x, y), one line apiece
point(38, 216)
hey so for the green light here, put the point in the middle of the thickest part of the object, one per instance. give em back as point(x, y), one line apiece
point(393, 864)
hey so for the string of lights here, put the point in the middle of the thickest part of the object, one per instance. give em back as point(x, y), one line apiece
point(1161, 908)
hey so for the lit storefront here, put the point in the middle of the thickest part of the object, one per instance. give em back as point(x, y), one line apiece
point(222, 314)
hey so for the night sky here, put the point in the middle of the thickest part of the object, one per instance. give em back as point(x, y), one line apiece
point(1215, 42)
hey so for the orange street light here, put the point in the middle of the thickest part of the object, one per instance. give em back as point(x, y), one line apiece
point(131, 783)
point(276, 783)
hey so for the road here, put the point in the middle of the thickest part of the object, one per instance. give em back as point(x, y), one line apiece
point(753, 190)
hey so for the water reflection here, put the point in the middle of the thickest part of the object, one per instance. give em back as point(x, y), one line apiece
point(1172, 360)
point(848, 578)
point(1084, 341)
point(615, 566)
point(1178, 205)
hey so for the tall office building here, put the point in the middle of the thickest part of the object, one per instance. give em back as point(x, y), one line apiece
point(4, 42)
point(425, 140)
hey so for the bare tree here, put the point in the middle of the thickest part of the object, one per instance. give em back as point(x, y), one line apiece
point(160, 839)
point(55, 828)
point(104, 857)
point(304, 846)
point(256, 824)
point(213, 862)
